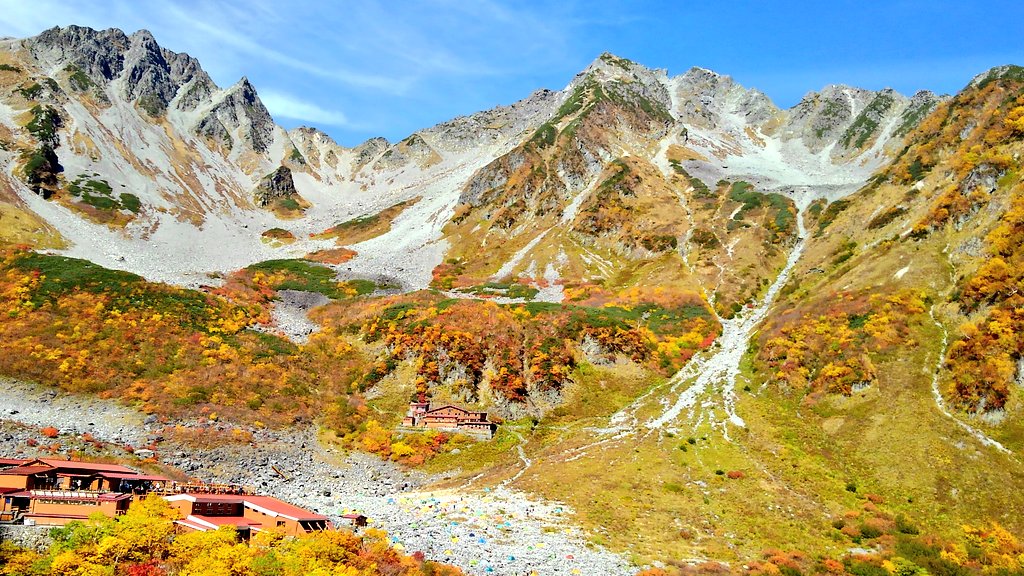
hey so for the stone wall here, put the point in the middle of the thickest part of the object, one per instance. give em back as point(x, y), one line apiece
point(34, 537)
point(475, 434)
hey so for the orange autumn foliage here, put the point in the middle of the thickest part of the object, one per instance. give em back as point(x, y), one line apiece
point(828, 348)
point(78, 327)
point(516, 349)
point(982, 362)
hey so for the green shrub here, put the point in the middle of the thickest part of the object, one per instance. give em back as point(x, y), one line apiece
point(659, 242)
point(44, 123)
point(32, 91)
point(79, 80)
point(311, 277)
point(62, 274)
point(41, 168)
point(358, 223)
point(886, 217)
point(869, 531)
point(905, 526)
point(100, 195)
point(830, 213)
point(131, 202)
point(858, 568)
point(544, 136)
point(917, 170)
point(704, 238)
point(857, 321)
point(100, 202)
point(506, 289)
point(152, 104)
point(289, 203)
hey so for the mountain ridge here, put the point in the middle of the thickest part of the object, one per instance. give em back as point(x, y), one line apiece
point(244, 145)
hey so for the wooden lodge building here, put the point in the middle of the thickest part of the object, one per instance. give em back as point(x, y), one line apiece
point(247, 513)
point(448, 418)
point(52, 492)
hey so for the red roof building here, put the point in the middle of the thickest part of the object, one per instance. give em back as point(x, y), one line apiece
point(55, 492)
point(449, 418)
point(246, 512)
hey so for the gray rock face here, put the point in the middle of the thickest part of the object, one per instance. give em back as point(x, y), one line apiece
point(704, 96)
point(239, 109)
point(628, 78)
point(411, 149)
point(700, 93)
point(156, 78)
point(921, 104)
point(277, 184)
point(496, 124)
point(756, 107)
point(154, 75)
point(369, 150)
point(482, 185)
point(306, 138)
point(150, 75)
point(98, 53)
point(821, 117)
point(194, 93)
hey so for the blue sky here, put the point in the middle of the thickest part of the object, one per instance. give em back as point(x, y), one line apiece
point(360, 69)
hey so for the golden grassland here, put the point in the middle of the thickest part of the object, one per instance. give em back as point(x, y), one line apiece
point(364, 228)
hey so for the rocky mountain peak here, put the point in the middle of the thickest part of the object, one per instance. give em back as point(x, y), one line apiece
point(145, 39)
point(624, 82)
point(99, 54)
point(821, 118)
point(611, 68)
point(147, 77)
point(1006, 71)
point(703, 76)
point(148, 74)
point(371, 149)
point(309, 134)
point(278, 184)
point(612, 65)
point(705, 95)
point(238, 111)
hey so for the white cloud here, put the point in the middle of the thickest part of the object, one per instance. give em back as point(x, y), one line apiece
point(226, 31)
point(288, 106)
